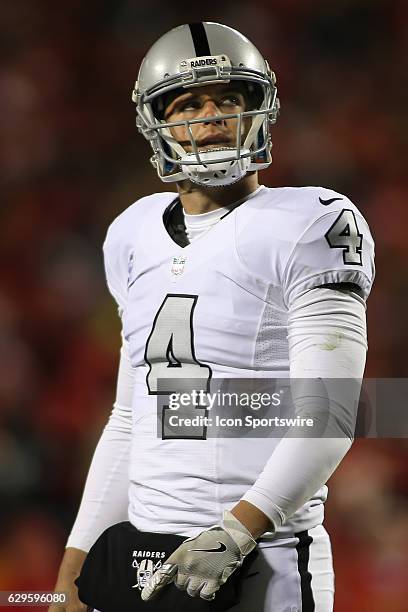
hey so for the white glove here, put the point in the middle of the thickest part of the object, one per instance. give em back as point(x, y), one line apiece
point(202, 564)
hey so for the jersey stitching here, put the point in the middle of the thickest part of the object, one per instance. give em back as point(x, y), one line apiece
point(239, 256)
point(242, 262)
point(244, 266)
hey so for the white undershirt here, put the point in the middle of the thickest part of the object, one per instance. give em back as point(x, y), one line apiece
point(314, 318)
point(196, 225)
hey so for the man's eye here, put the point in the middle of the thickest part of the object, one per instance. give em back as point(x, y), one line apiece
point(231, 101)
point(189, 105)
point(195, 104)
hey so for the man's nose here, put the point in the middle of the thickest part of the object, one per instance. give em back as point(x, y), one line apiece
point(209, 109)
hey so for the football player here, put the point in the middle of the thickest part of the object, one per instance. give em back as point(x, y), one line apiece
point(226, 278)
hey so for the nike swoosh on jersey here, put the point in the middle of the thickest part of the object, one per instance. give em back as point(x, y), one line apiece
point(221, 548)
point(329, 201)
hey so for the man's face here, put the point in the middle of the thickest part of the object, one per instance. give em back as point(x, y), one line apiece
point(207, 101)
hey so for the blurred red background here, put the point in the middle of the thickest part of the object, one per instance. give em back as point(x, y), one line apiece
point(71, 160)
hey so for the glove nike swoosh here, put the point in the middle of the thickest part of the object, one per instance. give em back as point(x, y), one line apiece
point(221, 548)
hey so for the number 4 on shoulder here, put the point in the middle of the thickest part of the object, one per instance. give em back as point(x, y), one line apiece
point(344, 234)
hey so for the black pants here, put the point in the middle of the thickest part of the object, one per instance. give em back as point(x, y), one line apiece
point(121, 562)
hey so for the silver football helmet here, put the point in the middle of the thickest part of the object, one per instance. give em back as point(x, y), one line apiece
point(198, 54)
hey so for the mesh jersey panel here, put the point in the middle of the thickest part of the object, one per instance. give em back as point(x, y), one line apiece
point(271, 344)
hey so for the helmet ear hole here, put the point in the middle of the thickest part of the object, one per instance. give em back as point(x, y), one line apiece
point(262, 155)
point(168, 166)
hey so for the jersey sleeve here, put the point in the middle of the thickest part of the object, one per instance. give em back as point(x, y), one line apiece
point(300, 464)
point(118, 260)
point(105, 496)
point(337, 247)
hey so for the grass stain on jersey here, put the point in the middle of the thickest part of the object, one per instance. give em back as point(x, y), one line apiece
point(333, 341)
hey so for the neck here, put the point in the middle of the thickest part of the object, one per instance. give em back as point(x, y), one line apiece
point(197, 200)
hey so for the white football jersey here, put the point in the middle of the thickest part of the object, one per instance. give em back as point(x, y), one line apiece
point(218, 308)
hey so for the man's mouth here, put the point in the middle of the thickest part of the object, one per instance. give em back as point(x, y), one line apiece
point(213, 140)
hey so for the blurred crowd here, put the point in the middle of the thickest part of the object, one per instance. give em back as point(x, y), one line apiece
point(71, 160)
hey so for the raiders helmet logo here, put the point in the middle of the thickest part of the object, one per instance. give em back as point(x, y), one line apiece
point(202, 62)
